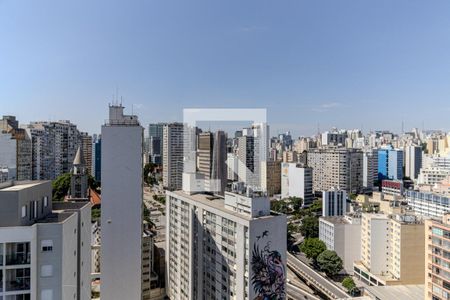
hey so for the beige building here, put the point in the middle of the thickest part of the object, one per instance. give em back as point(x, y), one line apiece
point(290, 156)
point(437, 258)
point(392, 250)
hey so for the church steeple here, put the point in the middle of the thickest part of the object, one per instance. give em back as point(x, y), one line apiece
point(79, 179)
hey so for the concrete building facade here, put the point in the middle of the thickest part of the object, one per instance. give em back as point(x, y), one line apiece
point(121, 217)
point(213, 243)
point(44, 246)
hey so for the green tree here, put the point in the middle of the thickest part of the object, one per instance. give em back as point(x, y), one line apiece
point(95, 214)
point(309, 227)
point(348, 283)
point(292, 229)
point(94, 184)
point(279, 206)
point(312, 247)
point(61, 186)
point(329, 262)
point(149, 168)
point(295, 203)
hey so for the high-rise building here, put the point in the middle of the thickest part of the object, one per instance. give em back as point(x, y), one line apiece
point(205, 144)
point(155, 137)
point(413, 161)
point(392, 250)
point(86, 148)
point(343, 235)
point(337, 167)
point(390, 163)
point(228, 247)
point(273, 177)
point(437, 250)
point(297, 181)
point(97, 159)
point(15, 150)
point(334, 203)
point(121, 218)
point(44, 246)
point(219, 157)
point(173, 140)
point(232, 166)
point(54, 145)
point(370, 168)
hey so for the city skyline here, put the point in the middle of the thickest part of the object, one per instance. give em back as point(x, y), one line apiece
point(327, 64)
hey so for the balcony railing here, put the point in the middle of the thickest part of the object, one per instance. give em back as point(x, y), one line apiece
point(18, 259)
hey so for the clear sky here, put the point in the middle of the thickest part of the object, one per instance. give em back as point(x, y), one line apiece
point(342, 63)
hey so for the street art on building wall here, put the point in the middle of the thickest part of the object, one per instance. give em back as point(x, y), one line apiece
point(269, 277)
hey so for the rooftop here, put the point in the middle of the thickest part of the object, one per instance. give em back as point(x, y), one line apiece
point(217, 202)
point(412, 292)
point(14, 186)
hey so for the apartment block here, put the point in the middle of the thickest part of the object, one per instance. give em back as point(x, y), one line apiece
point(392, 250)
point(437, 258)
point(44, 246)
point(173, 139)
point(428, 204)
point(336, 167)
point(334, 203)
point(229, 247)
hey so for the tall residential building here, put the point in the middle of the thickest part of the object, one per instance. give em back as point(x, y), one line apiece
point(97, 159)
point(228, 247)
point(44, 246)
point(155, 136)
point(121, 218)
point(219, 158)
point(334, 203)
point(370, 168)
point(54, 145)
point(413, 161)
point(343, 235)
point(437, 254)
point(173, 156)
point(86, 148)
point(334, 138)
point(390, 163)
point(253, 152)
point(205, 143)
point(15, 150)
point(273, 177)
point(337, 167)
point(392, 250)
point(297, 181)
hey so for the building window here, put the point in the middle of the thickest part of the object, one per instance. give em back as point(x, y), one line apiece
point(46, 271)
point(24, 211)
point(47, 245)
point(45, 201)
point(47, 294)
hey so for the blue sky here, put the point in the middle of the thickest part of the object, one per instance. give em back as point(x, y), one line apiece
point(349, 64)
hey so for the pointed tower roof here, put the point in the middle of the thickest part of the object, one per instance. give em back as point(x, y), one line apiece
point(79, 159)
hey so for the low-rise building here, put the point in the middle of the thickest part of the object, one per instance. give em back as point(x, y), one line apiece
point(343, 235)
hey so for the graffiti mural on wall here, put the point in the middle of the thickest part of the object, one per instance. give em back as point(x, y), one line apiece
point(268, 280)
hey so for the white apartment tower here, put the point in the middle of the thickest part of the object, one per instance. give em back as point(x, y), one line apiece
point(121, 218)
point(229, 247)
